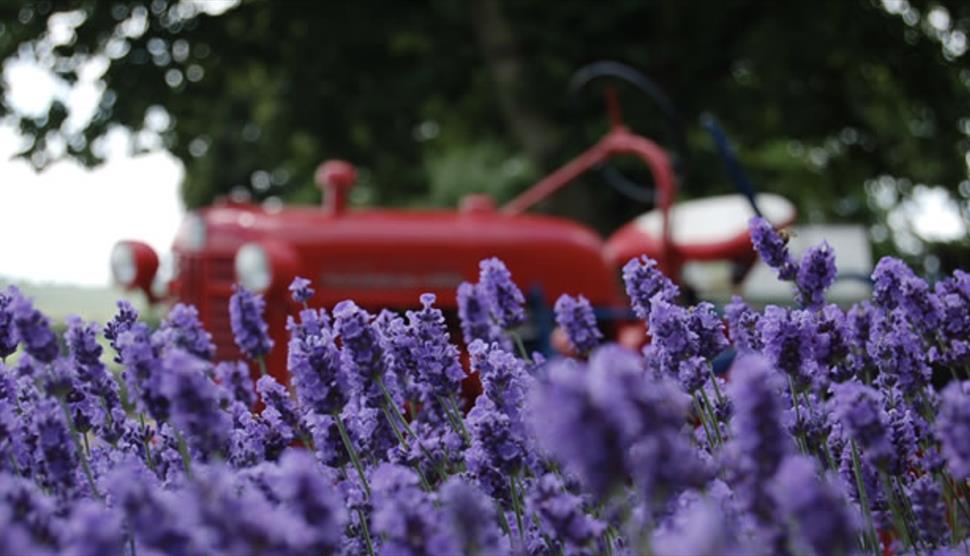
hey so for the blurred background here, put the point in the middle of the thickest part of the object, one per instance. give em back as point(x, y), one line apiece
point(118, 116)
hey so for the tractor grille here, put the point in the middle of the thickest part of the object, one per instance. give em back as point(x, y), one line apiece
point(206, 282)
point(219, 278)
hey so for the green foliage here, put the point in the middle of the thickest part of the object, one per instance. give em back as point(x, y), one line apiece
point(433, 99)
point(487, 167)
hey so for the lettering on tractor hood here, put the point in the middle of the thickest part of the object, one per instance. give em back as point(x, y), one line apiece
point(384, 280)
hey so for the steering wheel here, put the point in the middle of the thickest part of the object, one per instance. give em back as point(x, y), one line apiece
point(627, 187)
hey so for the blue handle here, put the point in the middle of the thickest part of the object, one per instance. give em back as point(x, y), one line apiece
point(730, 159)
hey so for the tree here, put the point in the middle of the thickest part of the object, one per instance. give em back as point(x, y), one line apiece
point(819, 97)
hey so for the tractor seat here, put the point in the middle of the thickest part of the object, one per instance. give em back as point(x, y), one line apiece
point(706, 229)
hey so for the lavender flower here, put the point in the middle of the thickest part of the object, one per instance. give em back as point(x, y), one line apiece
point(156, 518)
point(56, 448)
point(788, 337)
point(671, 339)
point(8, 332)
point(277, 398)
point(182, 329)
point(142, 370)
point(327, 443)
point(314, 365)
point(590, 416)
point(773, 248)
point(898, 352)
point(895, 285)
point(498, 449)
point(235, 517)
point(473, 315)
point(82, 343)
point(953, 428)
point(643, 281)
point(706, 324)
point(683, 341)
point(831, 347)
point(816, 273)
point(953, 295)
point(234, 379)
point(246, 317)
point(122, 322)
point(16, 538)
point(312, 323)
point(575, 316)
point(27, 517)
point(859, 409)
point(364, 362)
point(470, 516)
point(744, 325)
point(576, 430)
point(34, 330)
point(248, 438)
point(815, 510)
point(699, 529)
point(93, 531)
point(504, 299)
point(503, 376)
point(300, 289)
point(437, 372)
point(928, 508)
point(902, 435)
point(758, 437)
point(308, 494)
point(362, 346)
point(194, 403)
point(561, 514)
point(405, 516)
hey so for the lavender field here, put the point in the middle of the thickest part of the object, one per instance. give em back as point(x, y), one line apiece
point(835, 430)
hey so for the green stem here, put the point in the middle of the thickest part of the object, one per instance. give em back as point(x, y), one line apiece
point(400, 438)
point(184, 452)
point(520, 346)
point(148, 447)
point(864, 500)
point(503, 521)
point(608, 540)
point(389, 405)
point(16, 466)
point(957, 496)
point(717, 389)
point(365, 531)
point(352, 453)
point(701, 415)
point(952, 506)
point(261, 361)
point(455, 416)
point(516, 503)
point(712, 416)
point(393, 406)
point(899, 520)
point(85, 466)
point(802, 443)
point(904, 502)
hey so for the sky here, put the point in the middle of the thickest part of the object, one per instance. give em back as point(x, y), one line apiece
point(58, 226)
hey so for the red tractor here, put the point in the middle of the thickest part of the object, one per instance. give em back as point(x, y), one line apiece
point(388, 257)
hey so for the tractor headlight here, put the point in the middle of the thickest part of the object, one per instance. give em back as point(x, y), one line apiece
point(253, 268)
point(134, 265)
point(123, 267)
